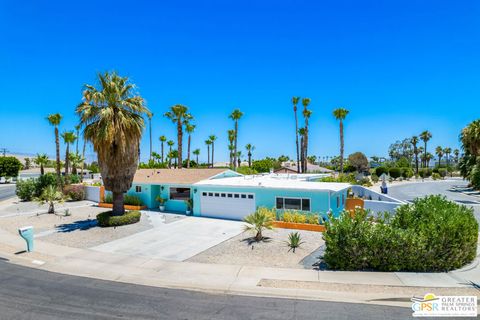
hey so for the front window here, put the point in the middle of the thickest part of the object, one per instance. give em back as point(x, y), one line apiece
point(179, 193)
point(293, 204)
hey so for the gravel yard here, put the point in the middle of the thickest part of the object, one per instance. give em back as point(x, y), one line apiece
point(271, 253)
point(78, 230)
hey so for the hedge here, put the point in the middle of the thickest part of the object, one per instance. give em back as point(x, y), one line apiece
point(432, 234)
point(105, 219)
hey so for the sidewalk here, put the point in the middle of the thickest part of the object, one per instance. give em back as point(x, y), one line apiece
point(394, 289)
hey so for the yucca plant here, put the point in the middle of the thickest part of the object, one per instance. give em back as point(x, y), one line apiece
point(258, 221)
point(294, 240)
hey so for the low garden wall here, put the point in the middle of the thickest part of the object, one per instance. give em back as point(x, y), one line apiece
point(374, 201)
point(92, 193)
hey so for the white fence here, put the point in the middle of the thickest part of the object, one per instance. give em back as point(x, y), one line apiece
point(376, 202)
point(92, 193)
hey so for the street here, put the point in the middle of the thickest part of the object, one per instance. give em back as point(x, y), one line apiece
point(7, 191)
point(27, 293)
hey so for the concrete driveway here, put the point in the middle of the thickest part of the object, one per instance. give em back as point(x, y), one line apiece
point(176, 241)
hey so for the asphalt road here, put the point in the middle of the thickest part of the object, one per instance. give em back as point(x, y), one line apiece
point(7, 191)
point(408, 192)
point(27, 293)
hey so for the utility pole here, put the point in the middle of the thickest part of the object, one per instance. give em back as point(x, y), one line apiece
point(4, 151)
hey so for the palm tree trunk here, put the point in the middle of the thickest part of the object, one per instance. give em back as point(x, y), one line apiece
point(66, 160)
point(425, 153)
point(305, 147)
point(416, 161)
point(235, 146)
point(188, 151)
point(118, 208)
point(163, 160)
point(302, 153)
point(180, 143)
point(341, 146)
point(170, 159)
point(57, 151)
point(51, 207)
point(83, 157)
point(197, 159)
point(150, 124)
point(296, 139)
point(42, 170)
point(208, 156)
point(249, 160)
point(213, 151)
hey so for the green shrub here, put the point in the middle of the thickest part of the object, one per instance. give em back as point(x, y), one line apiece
point(375, 178)
point(347, 178)
point(381, 170)
point(436, 176)
point(108, 198)
point(48, 179)
point(432, 234)
point(424, 173)
point(246, 170)
point(262, 219)
point(74, 192)
point(72, 179)
point(105, 219)
point(395, 173)
point(127, 199)
point(25, 189)
point(442, 172)
point(407, 173)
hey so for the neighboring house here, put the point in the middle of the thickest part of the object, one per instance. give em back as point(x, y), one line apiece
point(223, 193)
point(290, 166)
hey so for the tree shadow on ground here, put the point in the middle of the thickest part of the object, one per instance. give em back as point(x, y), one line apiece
point(78, 225)
point(252, 240)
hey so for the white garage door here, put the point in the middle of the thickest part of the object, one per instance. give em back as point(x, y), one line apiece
point(227, 205)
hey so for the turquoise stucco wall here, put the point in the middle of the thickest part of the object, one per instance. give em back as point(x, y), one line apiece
point(266, 197)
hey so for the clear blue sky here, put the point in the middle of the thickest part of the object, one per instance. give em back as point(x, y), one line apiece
point(400, 67)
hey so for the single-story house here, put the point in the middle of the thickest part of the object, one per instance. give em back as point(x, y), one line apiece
point(223, 193)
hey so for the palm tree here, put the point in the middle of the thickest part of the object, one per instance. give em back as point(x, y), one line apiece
point(83, 157)
point(235, 116)
point(208, 142)
point(213, 138)
point(456, 152)
point(170, 144)
point(447, 152)
point(179, 115)
point(295, 103)
point(439, 152)
point(54, 120)
point(249, 147)
point(150, 129)
point(77, 130)
point(196, 152)
point(189, 128)
point(414, 142)
point(340, 114)
point(301, 132)
point(162, 141)
point(258, 221)
point(41, 160)
point(50, 195)
point(231, 146)
point(306, 115)
point(428, 157)
point(68, 138)
point(239, 161)
point(174, 155)
point(113, 119)
point(75, 160)
point(425, 136)
point(470, 138)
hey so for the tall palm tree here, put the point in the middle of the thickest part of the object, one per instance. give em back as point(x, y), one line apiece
point(170, 144)
point(163, 139)
point(41, 160)
point(340, 114)
point(235, 116)
point(295, 103)
point(75, 160)
point(54, 120)
point(470, 138)
point(113, 120)
point(213, 138)
point(428, 157)
point(208, 142)
point(77, 130)
point(439, 153)
point(425, 136)
point(196, 152)
point(179, 114)
point(249, 147)
point(414, 142)
point(306, 115)
point(150, 129)
point(68, 138)
point(189, 128)
point(301, 132)
point(231, 146)
point(456, 153)
point(447, 152)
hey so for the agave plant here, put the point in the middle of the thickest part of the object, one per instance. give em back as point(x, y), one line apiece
point(294, 240)
point(258, 221)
